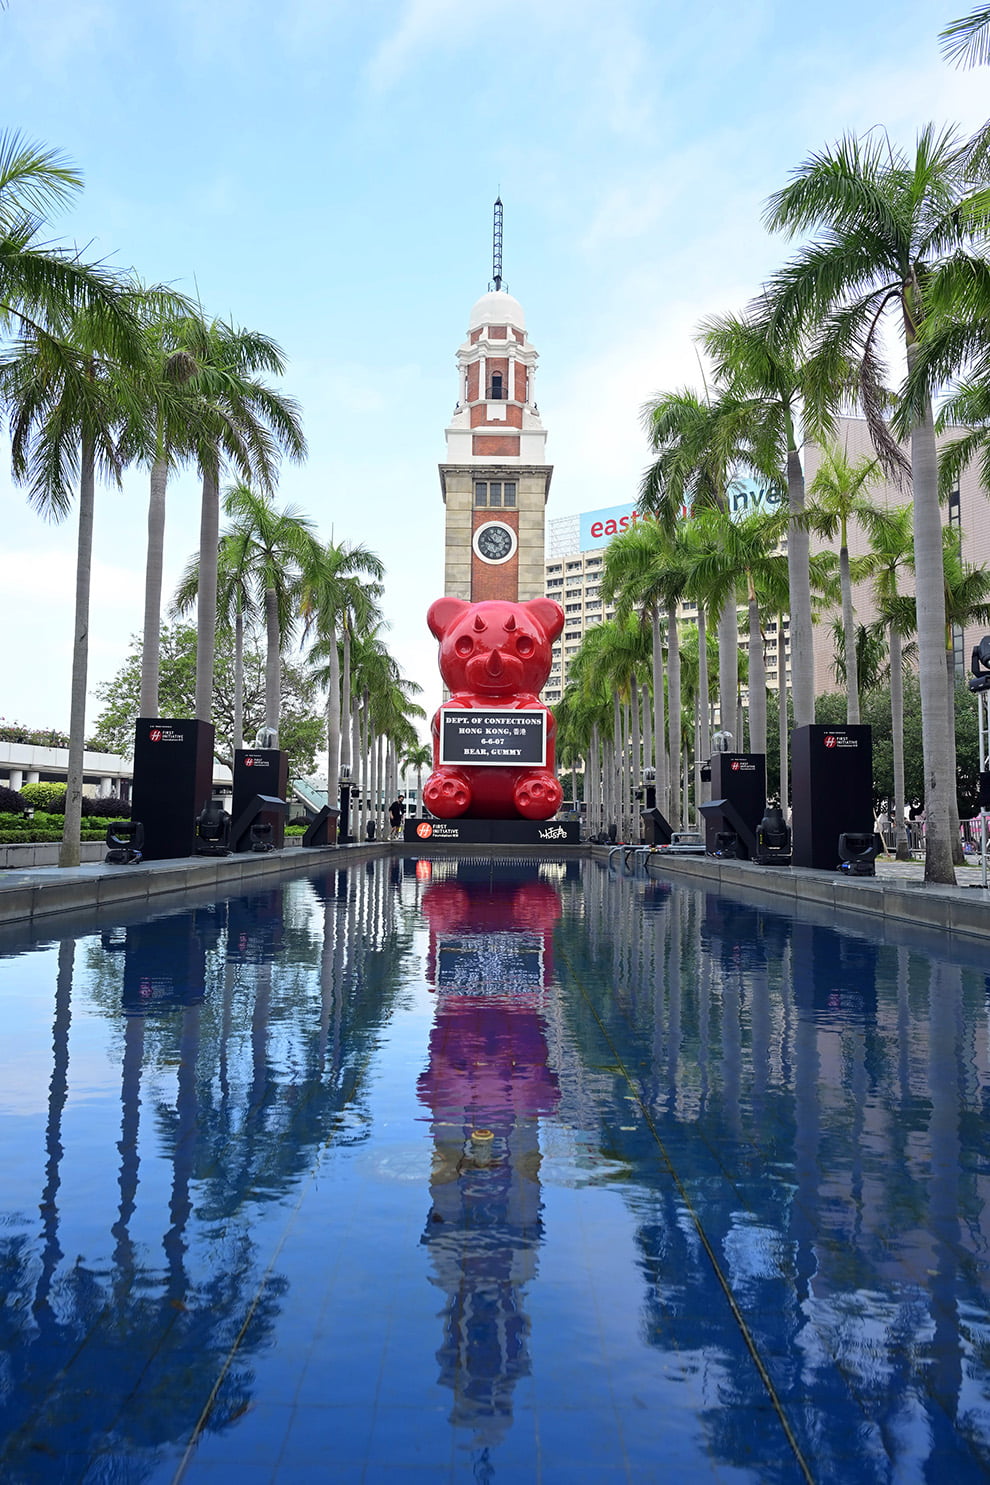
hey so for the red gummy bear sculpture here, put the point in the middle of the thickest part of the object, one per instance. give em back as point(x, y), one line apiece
point(494, 656)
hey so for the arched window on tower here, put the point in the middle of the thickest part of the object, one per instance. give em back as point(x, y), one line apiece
point(497, 393)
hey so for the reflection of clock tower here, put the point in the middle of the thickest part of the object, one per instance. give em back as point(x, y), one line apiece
point(496, 477)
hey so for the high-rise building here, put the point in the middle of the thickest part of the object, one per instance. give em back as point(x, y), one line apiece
point(573, 576)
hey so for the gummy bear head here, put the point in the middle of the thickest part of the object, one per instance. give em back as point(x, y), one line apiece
point(495, 649)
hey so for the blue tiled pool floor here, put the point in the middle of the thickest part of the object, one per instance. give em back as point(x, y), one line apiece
point(492, 1172)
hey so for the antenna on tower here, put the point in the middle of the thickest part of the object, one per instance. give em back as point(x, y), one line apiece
point(497, 244)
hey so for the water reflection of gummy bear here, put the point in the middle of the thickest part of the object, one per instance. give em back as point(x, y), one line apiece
point(488, 1070)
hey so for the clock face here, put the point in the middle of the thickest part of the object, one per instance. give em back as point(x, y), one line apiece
point(494, 542)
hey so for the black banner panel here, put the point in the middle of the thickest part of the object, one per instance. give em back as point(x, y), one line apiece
point(492, 832)
point(173, 780)
point(741, 778)
point(831, 791)
point(490, 739)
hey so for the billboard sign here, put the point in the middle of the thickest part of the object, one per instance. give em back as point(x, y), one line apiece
point(599, 526)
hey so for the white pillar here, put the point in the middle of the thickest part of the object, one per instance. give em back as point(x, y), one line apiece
point(16, 778)
point(33, 776)
point(106, 788)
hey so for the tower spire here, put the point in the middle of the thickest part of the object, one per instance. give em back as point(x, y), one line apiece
point(497, 244)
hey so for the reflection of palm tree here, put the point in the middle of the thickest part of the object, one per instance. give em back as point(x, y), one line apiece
point(58, 1091)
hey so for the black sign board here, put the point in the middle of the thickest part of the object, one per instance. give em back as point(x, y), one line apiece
point(261, 771)
point(831, 790)
point(497, 832)
point(493, 738)
point(741, 778)
point(173, 779)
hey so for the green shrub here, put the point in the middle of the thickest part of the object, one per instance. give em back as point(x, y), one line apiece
point(110, 808)
point(11, 802)
point(45, 796)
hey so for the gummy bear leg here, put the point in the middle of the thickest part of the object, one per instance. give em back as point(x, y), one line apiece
point(447, 794)
point(538, 795)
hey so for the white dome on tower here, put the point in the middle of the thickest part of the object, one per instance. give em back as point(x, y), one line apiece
point(497, 308)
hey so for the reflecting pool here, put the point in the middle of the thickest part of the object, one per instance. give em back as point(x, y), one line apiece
point(491, 1171)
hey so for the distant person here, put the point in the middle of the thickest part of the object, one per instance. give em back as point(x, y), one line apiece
point(396, 814)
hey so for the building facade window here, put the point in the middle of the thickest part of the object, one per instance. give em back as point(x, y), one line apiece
point(494, 494)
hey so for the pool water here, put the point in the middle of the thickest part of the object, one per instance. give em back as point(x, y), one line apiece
point(492, 1171)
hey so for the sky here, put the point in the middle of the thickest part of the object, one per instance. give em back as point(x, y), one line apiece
point(324, 171)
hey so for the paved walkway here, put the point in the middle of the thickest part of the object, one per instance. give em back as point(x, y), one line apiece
point(914, 871)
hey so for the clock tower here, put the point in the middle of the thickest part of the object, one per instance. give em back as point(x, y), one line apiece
point(496, 478)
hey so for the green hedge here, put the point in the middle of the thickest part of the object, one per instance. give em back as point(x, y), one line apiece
point(29, 836)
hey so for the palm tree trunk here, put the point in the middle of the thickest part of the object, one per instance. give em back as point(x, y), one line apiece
point(206, 596)
point(659, 723)
point(69, 850)
point(151, 645)
point(615, 814)
point(799, 587)
point(901, 848)
point(782, 719)
point(757, 681)
point(345, 700)
point(674, 715)
point(958, 854)
point(273, 660)
point(849, 639)
point(333, 721)
point(239, 677)
point(376, 807)
point(649, 752)
point(636, 780)
point(930, 594)
point(728, 665)
point(704, 687)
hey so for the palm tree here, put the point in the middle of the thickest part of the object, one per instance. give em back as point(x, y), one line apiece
point(278, 550)
point(341, 587)
point(967, 40)
point(67, 389)
point(967, 602)
point(584, 722)
point(241, 421)
point(701, 447)
point(743, 552)
point(236, 606)
point(757, 357)
point(648, 567)
point(612, 655)
point(891, 550)
point(887, 223)
point(160, 434)
point(419, 756)
point(838, 499)
point(40, 284)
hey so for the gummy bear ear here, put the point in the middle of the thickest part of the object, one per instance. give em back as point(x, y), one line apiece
point(548, 614)
point(446, 611)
